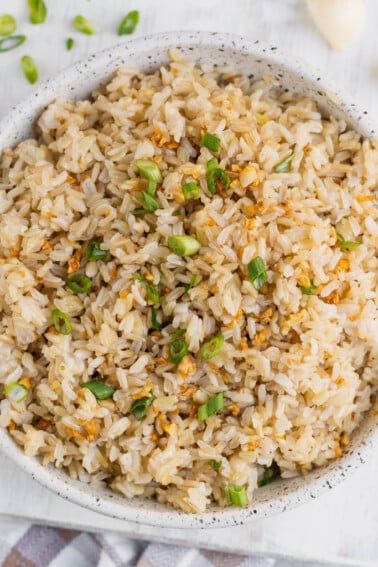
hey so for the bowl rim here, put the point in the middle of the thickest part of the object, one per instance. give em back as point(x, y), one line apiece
point(47, 476)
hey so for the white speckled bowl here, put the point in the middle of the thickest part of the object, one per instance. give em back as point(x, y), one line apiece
point(248, 57)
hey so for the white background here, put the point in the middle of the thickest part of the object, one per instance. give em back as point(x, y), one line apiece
point(342, 525)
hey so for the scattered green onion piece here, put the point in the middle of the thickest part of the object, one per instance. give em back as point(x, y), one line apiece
point(139, 407)
point(284, 165)
point(61, 322)
point(216, 465)
point(140, 278)
point(183, 245)
point(7, 24)
point(210, 142)
point(69, 43)
point(17, 392)
point(152, 290)
point(310, 290)
point(100, 390)
point(213, 173)
point(347, 244)
point(150, 171)
point(257, 272)
point(83, 25)
point(236, 495)
point(29, 68)
point(94, 251)
point(154, 321)
point(178, 334)
point(192, 282)
point(37, 11)
point(270, 475)
point(148, 202)
point(11, 42)
point(129, 23)
point(212, 348)
point(190, 191)
point(214, 405)
point(78, 283)
point(177, 350)
point(212, 164)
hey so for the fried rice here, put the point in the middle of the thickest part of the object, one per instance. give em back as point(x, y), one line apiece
point(292, 361)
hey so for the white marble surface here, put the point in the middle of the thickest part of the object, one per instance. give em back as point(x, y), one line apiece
point(341, 526)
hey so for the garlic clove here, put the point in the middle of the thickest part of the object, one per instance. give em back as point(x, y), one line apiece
point(339, 21)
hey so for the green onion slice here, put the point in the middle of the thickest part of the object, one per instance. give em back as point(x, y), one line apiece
point(257, 272)
point(212, 348)
point(284, 166)
point(29, 68)
point(154, 320)
point(215, 173)
point(94, 251)
point(83, 25)
point(129, 23)
point(270, 475)
point(152, 290)
point(310, 290)
point(347, 244)
point(236, 495)
point(211, 142)
point(192, 282)
point(139, 407)
point(37, 11)
point(100, 390)
point(150, 171)
point(216, 465)
point(7, 24)
point(61, 322)
point(183, 245)
point(190, 191)
point(149, 204)
point(78, 283)
point(177, 350)
point(17, 392)
point(11, 42)
point(214, 405)
point(69, 43)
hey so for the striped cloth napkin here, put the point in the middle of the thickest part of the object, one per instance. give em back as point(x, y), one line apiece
point(26, 545)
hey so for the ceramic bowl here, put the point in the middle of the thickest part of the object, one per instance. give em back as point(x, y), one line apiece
point(245, 56)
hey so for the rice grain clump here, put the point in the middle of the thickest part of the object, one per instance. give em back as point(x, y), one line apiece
point(191, 369)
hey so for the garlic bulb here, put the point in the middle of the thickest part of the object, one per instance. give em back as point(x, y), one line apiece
point(339, 21)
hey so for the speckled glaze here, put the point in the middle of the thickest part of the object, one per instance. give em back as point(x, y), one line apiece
point(245, 56)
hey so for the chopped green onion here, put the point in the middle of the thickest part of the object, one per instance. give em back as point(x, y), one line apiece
point(310, 290)
point(270, 475)
point(152, 291)
point(69, 43)
point(257, 272)
point(154, 321)
point(211, 407)
point(216, 173)
point(37, 11)
point(347, 244)
point(29, 68)
point(61, 322)
point(284, 166)
point(212, 348)
point(178, 334)
point(94, 251)
point(78, 283)
point(210, 142)
point(100, 390)
point(177, 350)
point(216, 465)
point(7, 24)
point(183, 245)
point(139, 407)
point(83, 25)
point(150, 171)
point(192, 282)
point(148, 202)
point(236, 495)
point(11, 42)
point(129, 23)
point(190, 191)
point(17, 392)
